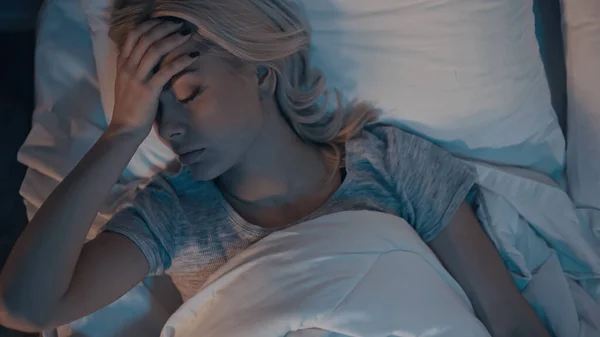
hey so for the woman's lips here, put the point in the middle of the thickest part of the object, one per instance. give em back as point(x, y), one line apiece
point(191, 157)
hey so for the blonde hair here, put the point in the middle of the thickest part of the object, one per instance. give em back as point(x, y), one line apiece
point(268, 33)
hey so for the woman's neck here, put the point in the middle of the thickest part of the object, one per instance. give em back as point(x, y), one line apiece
point(278, 177)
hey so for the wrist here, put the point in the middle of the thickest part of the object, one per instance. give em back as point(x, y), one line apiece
point(124, 139)
point(126, 133)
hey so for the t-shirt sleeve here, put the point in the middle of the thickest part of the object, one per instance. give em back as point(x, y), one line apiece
point(147, 221)
point(430, 182)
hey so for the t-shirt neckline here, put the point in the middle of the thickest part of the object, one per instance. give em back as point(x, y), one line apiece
point(258, 230)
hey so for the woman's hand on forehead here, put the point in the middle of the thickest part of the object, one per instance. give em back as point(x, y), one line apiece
point(185, 48)
point(139, 79)
point(185, 29)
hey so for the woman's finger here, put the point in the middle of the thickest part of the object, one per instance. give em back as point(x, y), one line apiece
point(134, 36)
point(157, 51)
point(164, 75)
point(146, 40)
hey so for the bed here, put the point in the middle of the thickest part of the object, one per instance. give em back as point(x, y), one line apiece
point(478, 89)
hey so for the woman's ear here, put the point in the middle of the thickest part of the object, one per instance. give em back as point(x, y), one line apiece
point(267, 81)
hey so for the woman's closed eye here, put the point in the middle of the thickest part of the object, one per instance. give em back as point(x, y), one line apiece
point(192, 96)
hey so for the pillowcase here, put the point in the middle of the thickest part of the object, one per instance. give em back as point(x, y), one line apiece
point(582, 48)
point(466, 74)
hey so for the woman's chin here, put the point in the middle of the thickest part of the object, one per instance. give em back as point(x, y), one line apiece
point(203, 172)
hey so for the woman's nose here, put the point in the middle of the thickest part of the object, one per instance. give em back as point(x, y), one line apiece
point(172, 132)
point(172, 122)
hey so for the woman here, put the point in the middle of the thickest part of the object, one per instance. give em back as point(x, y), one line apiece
point(230, 87)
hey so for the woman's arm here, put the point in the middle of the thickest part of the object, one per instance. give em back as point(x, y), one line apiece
point(36, 280)
point(50, 278)
point(431, 185)
point(472, 259)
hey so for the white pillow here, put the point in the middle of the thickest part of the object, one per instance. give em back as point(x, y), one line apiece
point(465, 73)
point(355, 273)
point(582, 48)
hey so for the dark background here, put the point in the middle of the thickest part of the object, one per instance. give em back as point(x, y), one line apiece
point(17, 41)
point(16, 106)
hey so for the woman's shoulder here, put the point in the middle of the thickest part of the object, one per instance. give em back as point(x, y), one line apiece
point(383, 133)
point(385, 147)
point(382, 139)
point(370, 149)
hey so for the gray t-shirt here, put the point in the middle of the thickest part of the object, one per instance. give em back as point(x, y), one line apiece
point(187, 229)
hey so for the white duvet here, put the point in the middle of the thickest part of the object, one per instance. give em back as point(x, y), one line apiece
point(347, 274)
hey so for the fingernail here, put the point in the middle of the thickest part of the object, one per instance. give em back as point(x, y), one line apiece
point(186, 31)
point(194, 54)
point(171, 19)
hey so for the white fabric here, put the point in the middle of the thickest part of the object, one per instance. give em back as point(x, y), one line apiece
point(466, 73)
point(368, 274)
point(553, 257)
point(352, 273)
point(582, 49)
point(68, 117)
